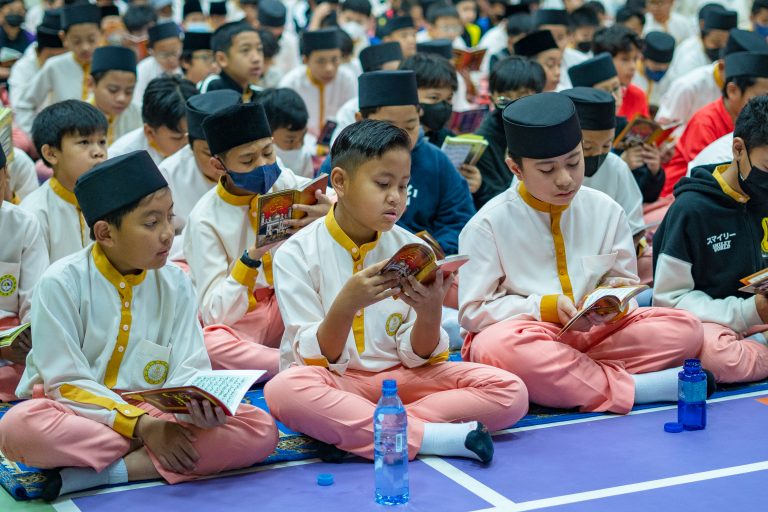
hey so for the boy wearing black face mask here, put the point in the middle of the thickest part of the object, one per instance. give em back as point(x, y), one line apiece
point(11, 33)
point(713, 235)
point(233, 278)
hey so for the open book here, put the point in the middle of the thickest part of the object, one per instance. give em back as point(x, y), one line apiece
point(642, 130)
point(8, 335)
point(605, 301)
point(756, 283)
point(275, 208)
point(468, 60)
point(432, 243)
point(467, 121)
point(6, 133)
point(419, 260)
point(225, 388)
point(464, 149)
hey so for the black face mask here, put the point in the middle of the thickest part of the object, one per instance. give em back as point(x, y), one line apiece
point(593, 163)
point(436, 115)
point(14, 20)
point(713, 53)
point(584, 46)
point(756, 184)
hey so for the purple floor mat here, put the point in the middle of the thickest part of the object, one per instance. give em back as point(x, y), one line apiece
point(290, 489)
point(574, 458)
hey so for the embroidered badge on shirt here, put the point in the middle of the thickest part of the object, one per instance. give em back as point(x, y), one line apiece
point(155, 372)
point(720, 242)
point(7, 285)
point(394, 321)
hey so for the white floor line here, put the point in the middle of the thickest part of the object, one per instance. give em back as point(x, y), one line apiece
point(631, 488)
point(464, 480)
point(632, 413)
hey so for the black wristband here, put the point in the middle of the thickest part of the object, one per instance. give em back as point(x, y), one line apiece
point(248, 262)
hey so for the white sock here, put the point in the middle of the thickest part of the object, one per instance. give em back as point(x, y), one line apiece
point(78, 479)
point(759, 338)
point(656, 386)
point(447, 439)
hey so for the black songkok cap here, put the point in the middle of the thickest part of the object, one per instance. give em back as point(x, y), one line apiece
point(535, 43)
point(720, 20)
point(543, 125)
point(744, 41)
point(116, 183)
point(659, 47)
point(373, 57)
point(441, 47)
point(203, 105)
point(550, 17)
point(596, 109)
point(196, 41)
point(75, 14)
point(323, 39)
point(217, 8)
point(234, 126)
point(109, 58)
point(168, 30)
point(385, 26)
point(190, 7)
point(387, 88)
point(592, 71)
point(272, 13)
point(746, 64)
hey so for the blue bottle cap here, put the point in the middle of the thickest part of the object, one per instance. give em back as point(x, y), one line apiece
point(325, 479)
point(673, 427)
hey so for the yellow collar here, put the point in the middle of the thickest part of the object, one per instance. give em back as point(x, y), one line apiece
point(118, 280)
point(315, 82)
point(63, 193)
point(230, 198)
point(343, 240)
point(85, 65)
point(152, 144)
point(718, 77)
point(729, 191)
point(538, 204)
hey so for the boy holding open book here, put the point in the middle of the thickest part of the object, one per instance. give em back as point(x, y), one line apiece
point(114, 317)
point(231, 272)
point(714, 235)
point(540, 247)
point(345, 333)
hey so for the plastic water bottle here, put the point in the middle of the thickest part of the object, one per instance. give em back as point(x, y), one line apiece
point(390, 444)
point(692, 396)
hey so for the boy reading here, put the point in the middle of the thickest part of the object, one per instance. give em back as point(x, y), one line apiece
point(652, 76)
point(400, 29)
point(237, 49)
point(624, 47)
point(112, 83)
point(232, 277)
point(540, 247)
point(345, 333)
point(115, 317)
point(165, 50)
point(71, 137)
point(541, 47)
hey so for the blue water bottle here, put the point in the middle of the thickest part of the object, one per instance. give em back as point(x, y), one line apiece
point(390, 445)
point(692, 396)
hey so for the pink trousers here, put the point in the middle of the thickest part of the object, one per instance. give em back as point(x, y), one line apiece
point(46, 434)
point(730, 357)
point(9, 375)
point(253, 343)
point(338, 409)
point(592, 370)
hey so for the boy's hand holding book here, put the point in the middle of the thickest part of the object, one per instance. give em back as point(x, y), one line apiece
point(426, 298)
point(367, 287)
point(15, 344)
point(312, 212)
point(170, 442)
point(472, 174)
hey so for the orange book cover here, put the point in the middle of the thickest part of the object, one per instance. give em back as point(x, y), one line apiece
point(275, 208)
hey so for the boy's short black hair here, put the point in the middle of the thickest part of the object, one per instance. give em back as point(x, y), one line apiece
point(101, 74)
point(636, 5)
point(432, 71)
point(165, 102)
point(116, 217)
point(519, 24)
point(221, 40)
point(584, 16)
point(284, 108)
point(614, 40)
point(759, 5)
point(626, 13)
point(68, 117)
point(441, 10)
point(752, 123)
point(515, 72)
point(138, 17)
point(596, 6)
point(269, 43)
point(361, 142)
point(742, 82)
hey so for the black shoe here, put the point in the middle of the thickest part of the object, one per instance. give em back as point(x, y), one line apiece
point(52, 485)
point(479, 441)
point(711, 384)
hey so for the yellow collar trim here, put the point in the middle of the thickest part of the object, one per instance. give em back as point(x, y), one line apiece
point(343, 240)
point(230, 198)
point(113, 276)
point(718, 77)
point(63, 193)
point(538, 204)
point(729, 191)
point(317, 83)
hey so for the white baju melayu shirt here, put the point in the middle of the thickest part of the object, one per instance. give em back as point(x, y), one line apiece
point(22, 74)
point(23, 259)
point(688, 56)
point(133, 141)
point(689, 93)
point(22, 175)
point(60, 78)
point(64, 229)
point(493, 41)
point(718, 152)
point(146, 71)
point(219, 228)
point(615, 179)
point(678, 26)
point(571, 57)
point(323, 100)
point(288, 57)
point(310, 269)
point(525, 252)
point(345, 116)
point(96, 330)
